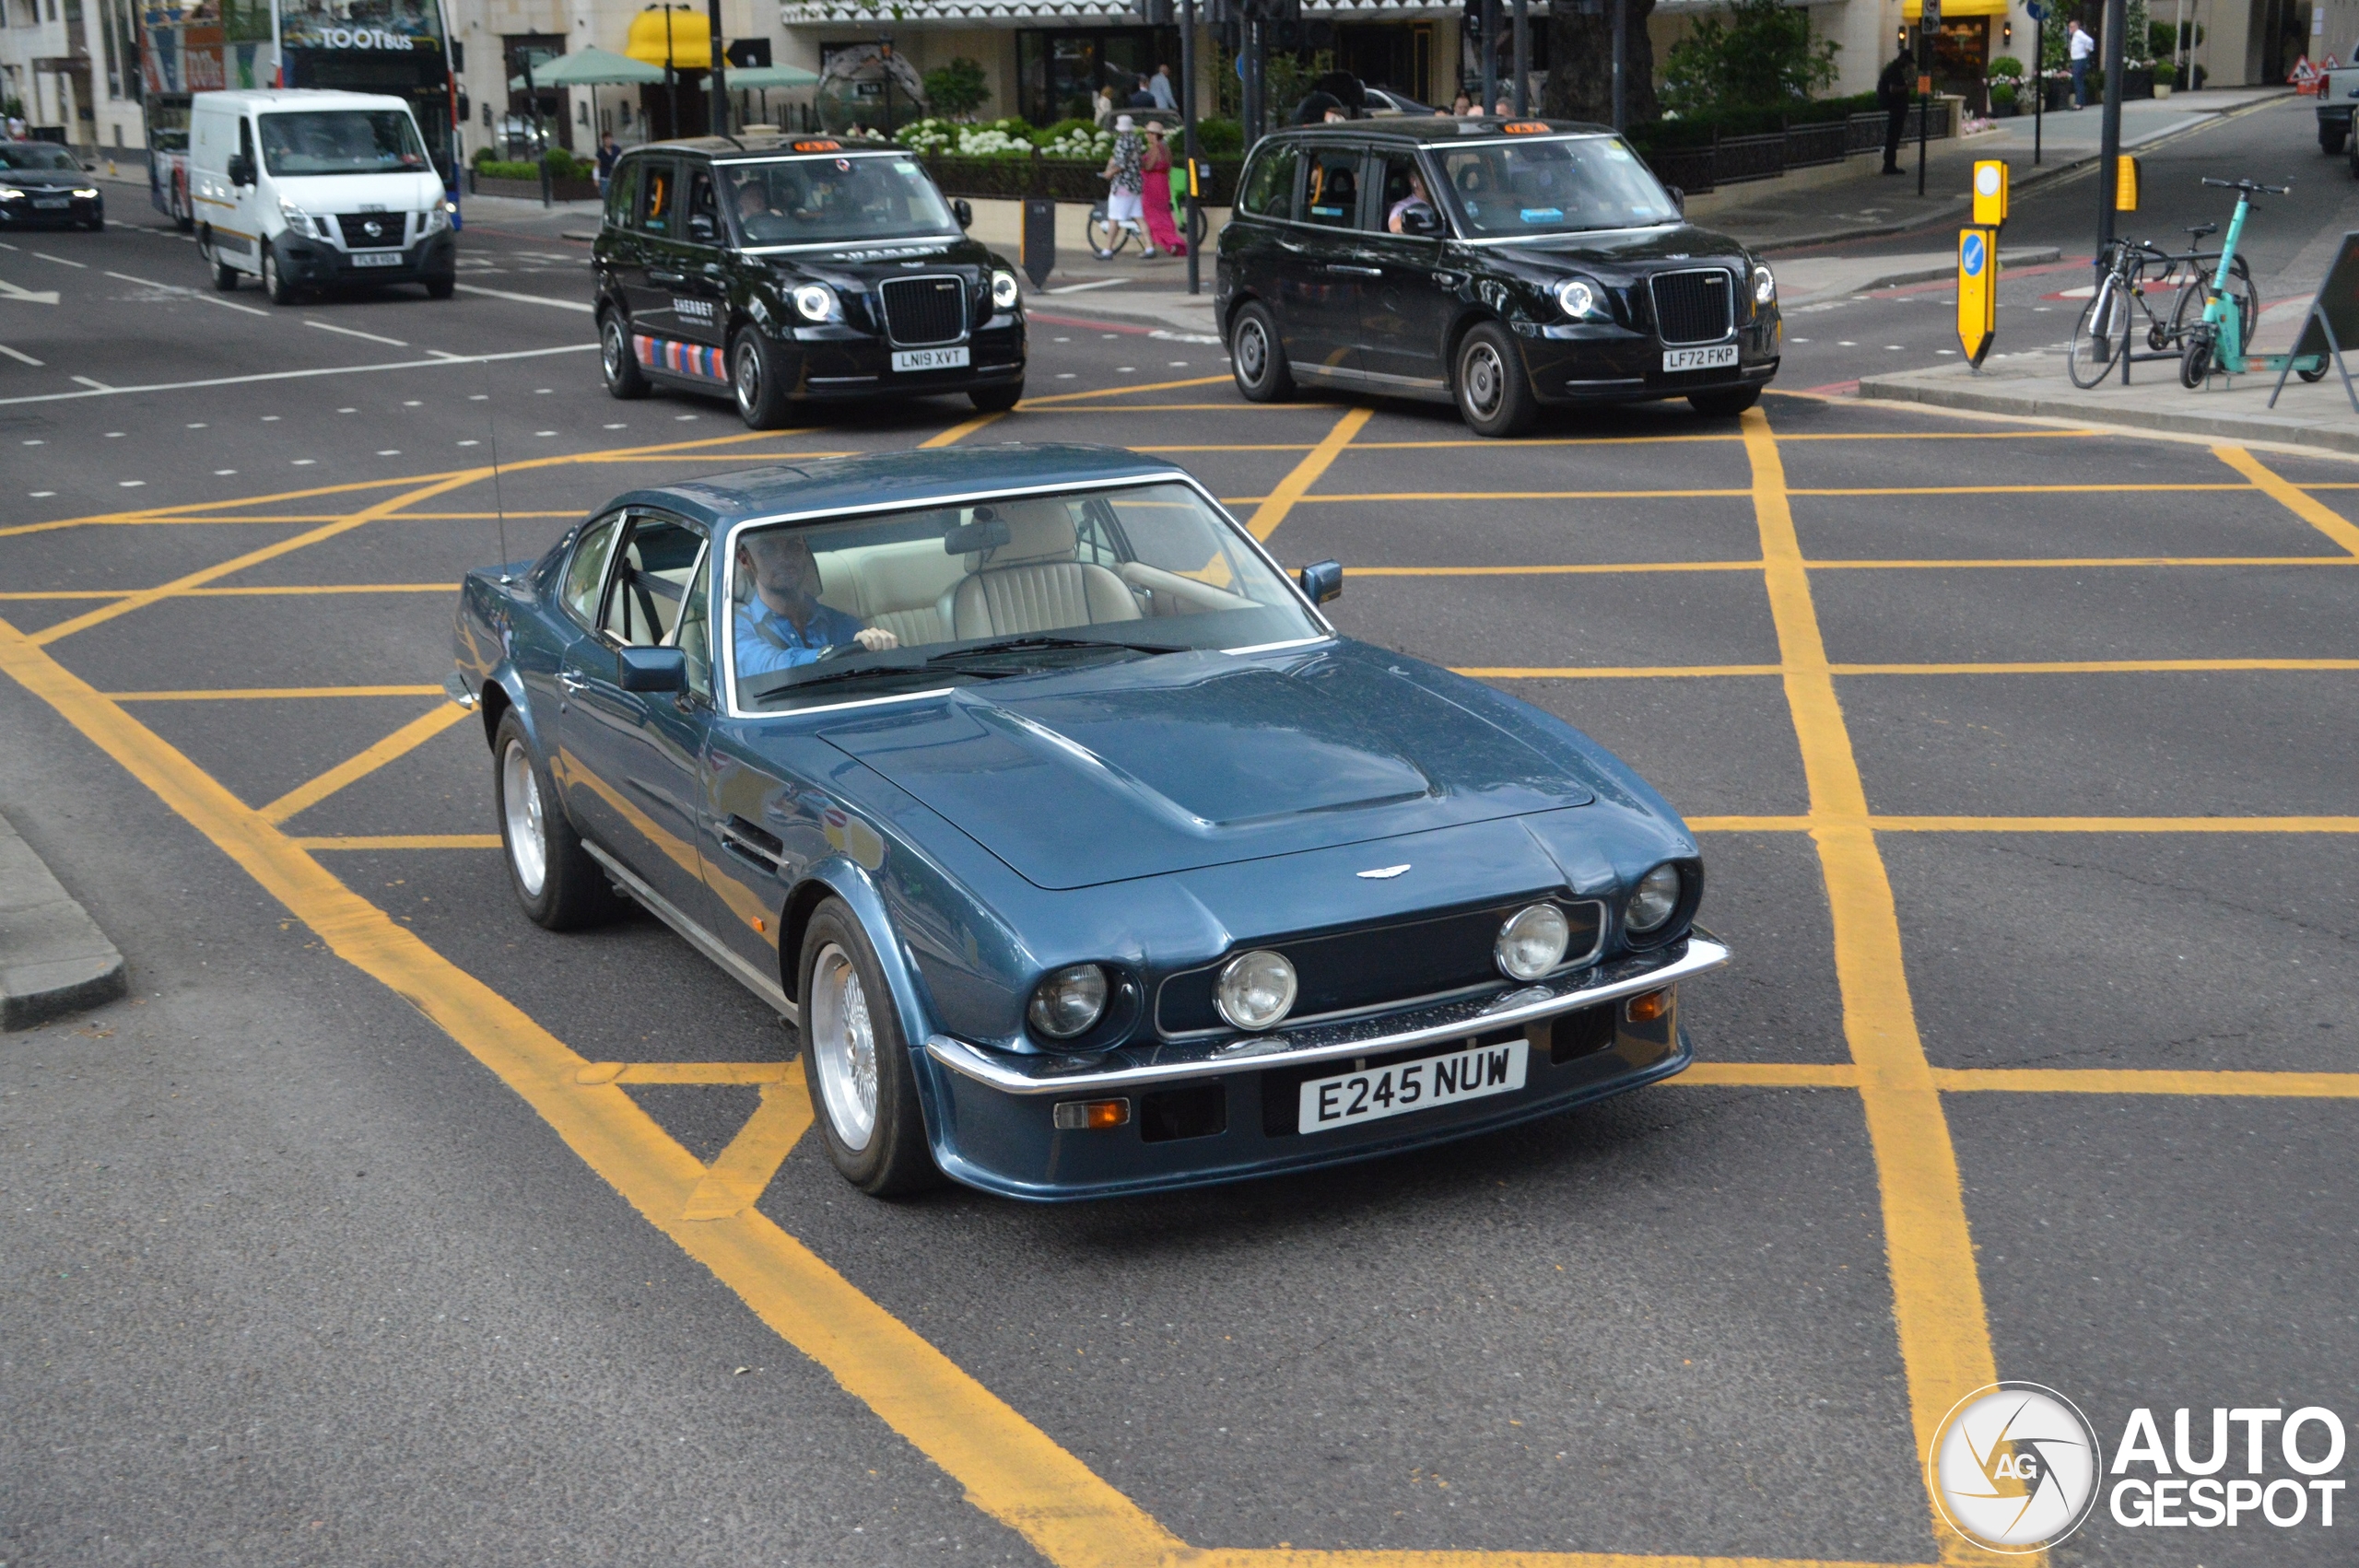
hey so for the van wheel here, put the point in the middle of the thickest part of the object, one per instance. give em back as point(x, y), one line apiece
point(614, 361)
point(856, 1060)
point(1494, 394)
point(762, 402)
point(224, 277)
point(1257, 358)
point(275, 280)
point(440, 288)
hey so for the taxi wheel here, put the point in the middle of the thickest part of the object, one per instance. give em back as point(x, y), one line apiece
point(559, 885)
point(1257, 358)
point(623, 380)
point(760, 392)
point(1494, 394)
point(996, 400)
point(275, 280)
point(1725, 404)
point(856, 1061)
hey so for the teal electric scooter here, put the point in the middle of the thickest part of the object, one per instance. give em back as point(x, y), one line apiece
point(2217, 341)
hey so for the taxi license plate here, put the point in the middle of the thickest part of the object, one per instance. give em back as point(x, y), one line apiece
point(1351, 1098)
point(1699, 359)
point(930, 358)
point(378, 259)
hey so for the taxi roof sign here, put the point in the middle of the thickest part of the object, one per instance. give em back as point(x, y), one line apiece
point(1524, 127)
point(819, 147)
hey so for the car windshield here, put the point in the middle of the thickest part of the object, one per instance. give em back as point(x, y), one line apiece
point(820, 199)
point(24, 155)
point(832, 611)
point(1563, 185)
point(341, 141)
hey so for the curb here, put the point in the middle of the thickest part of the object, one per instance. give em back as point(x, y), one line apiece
point(54, 958)
point(2037, 256)
point(2089, 407)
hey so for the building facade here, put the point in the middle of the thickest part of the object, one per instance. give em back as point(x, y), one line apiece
point(70, 69)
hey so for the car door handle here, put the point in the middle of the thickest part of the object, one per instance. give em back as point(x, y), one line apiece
point(1355, 272)
point(657, 275)
point(572, 682)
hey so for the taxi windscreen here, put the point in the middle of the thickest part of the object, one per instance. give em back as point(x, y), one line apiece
point(820, 200)
point(1559, 186)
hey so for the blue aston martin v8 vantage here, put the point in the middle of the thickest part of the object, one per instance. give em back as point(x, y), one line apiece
point(1085, 854)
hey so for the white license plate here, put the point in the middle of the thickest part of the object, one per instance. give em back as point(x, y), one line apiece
point(378, 259)
point(930, 358)
point(1699, 359)
point(1355, 1097)
point(50, 201)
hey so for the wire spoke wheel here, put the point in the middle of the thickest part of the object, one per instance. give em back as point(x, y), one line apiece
point(843, 1039)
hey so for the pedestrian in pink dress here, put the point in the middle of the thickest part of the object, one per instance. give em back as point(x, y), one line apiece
point(1157, 167)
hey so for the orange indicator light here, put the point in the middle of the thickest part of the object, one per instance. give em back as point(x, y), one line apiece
point(1091, 1115)
point(1646, 1009)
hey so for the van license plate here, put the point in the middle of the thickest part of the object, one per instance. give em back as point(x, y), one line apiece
point(1354, 1097)
point(378, 259)
point(1699, 359)
point(930, 358)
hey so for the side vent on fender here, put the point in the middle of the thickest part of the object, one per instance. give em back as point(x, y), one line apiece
point(764, 848)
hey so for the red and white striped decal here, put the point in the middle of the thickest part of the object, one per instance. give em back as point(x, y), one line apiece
point(680, 358)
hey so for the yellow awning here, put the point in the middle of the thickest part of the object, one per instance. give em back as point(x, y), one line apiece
point(691, 46)
point(1910, 10)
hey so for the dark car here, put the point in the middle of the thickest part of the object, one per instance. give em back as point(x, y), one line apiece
point(786, 269)
point(1086, 855)
point(1505, 264)
point(41, 185)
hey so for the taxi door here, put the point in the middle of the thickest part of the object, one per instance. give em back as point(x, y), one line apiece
point(684, 280)
point(1403, 307)
point(1320, 268)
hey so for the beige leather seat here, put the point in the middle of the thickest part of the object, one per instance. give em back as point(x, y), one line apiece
point(1032, 583)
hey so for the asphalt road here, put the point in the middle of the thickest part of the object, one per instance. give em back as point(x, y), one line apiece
point(295, 1273)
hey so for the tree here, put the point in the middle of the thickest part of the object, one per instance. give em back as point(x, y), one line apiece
point(1758, 54)
point(959, 88)
point(1580, 54)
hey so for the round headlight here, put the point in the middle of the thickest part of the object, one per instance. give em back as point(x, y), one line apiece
point(1069, 1002)
point(1256, 989)
point(1532, 942)
point(1656, 897)
point(1003, 291)
point(1765, 286)
point(1575, 297)
point(814, 301)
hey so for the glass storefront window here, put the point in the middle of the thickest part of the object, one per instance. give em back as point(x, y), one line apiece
point(1057, 72)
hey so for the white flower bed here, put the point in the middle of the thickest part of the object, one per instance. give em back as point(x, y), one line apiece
point(1001, 138)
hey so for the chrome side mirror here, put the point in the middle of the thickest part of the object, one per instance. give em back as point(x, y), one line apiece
point(1323, 582)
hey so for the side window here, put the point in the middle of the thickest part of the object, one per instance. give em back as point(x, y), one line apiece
point(246, 138)
point(693, 636)
point(1404, 190)
point(588, 568)
point(704, 212)
point(1332, 198)
point(1269, 186)
point(622, 193)
point(657, 558)
point(657, 197)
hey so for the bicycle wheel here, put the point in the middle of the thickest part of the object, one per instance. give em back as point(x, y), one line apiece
point(2097, 335)
point(1106, 236)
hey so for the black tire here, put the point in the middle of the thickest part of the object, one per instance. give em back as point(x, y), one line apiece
point(99, 224)
point(2195, 360)
point(1257, 354)
point(2331, 137)
point(275, 280)
point(891, 1160)
point(2096, 336)
point(996, 400)
point(574, 891)
point(1494, 394)
point(440, 288)
point(224, 277)
point(614, 359)
point(753, 383)
point(2312, 373)
point(1725, 404)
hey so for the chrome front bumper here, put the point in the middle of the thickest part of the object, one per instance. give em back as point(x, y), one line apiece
point(1134, 1067)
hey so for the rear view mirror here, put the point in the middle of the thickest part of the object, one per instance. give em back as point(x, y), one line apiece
point(241, 168)
point(964, 211)
point(651, 669)
point(1323, 582)
point(701, 227)
point(1420, 221)
point(1678, 197)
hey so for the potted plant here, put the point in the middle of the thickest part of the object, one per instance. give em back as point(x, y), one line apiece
point(2008, 84)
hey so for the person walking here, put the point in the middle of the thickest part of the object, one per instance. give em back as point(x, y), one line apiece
point(2081, 47)
point(1155, 187)
point(608, 153)
point(1159, 86)
point(1126, 177)
point(1101, 107)
point(1893, 89)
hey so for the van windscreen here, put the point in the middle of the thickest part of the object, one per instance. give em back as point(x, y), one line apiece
point(341, 141)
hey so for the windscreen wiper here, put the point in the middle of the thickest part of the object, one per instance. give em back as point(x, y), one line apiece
point(953, 657)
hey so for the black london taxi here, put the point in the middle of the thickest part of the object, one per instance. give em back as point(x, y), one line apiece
point(782, 270)
point(1502, 263)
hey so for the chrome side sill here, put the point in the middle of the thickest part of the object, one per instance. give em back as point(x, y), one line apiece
point(696, 936)
point(1012, 1074)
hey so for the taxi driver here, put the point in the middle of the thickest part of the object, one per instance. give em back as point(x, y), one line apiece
point(783, 624)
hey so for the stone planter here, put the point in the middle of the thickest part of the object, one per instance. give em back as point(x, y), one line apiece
point(529, 190)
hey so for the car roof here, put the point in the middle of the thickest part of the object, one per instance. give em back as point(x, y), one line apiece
point(764, 146)
point(875, 481)
point(1429, 129)
point(296, 98)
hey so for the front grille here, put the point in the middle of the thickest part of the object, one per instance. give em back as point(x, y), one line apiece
point(1377, 966)
point(356, 235)
point(1693, 307)
point(922, 310)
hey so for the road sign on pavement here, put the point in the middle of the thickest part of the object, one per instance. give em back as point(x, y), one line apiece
point(1978, 291)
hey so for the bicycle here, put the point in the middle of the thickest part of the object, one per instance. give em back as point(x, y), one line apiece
point(1107, 239)
point(2218, 340)
point(2105, 333)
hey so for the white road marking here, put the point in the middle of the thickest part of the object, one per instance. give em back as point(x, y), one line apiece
point(100, 386)
point(131, 484)
point(196, 424)
point(526, 298)
point(78, 266)
point(36, 495)
point(36, 443)
point(391, 452)
point(223, 473)
point(297, 375)
point(445, 354)
point(1086, 287)
point(21, 356)
point(354, 331)
point(194, 294)
point(28, 295)
point(617, 426)
point(305, 461)
point(1064, 375)
point(471, 443)
point(545, 432)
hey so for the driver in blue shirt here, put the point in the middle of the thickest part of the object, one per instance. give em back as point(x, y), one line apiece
point(783, 624)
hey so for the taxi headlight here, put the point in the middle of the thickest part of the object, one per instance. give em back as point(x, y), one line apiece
point(814, 302)
point(1255, 989)
point(1004, 293)
point(1532, 942)
point(1764, 285)
point(1581, 299)
point(1069, 1001)
point(1655, 897)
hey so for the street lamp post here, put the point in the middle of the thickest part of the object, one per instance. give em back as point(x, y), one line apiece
point(1188, 129)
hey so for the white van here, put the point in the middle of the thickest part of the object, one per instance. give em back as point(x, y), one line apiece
point(311, 190)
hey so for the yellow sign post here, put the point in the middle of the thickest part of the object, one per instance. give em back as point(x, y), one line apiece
point(2127, 176)
point(1978, 291)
